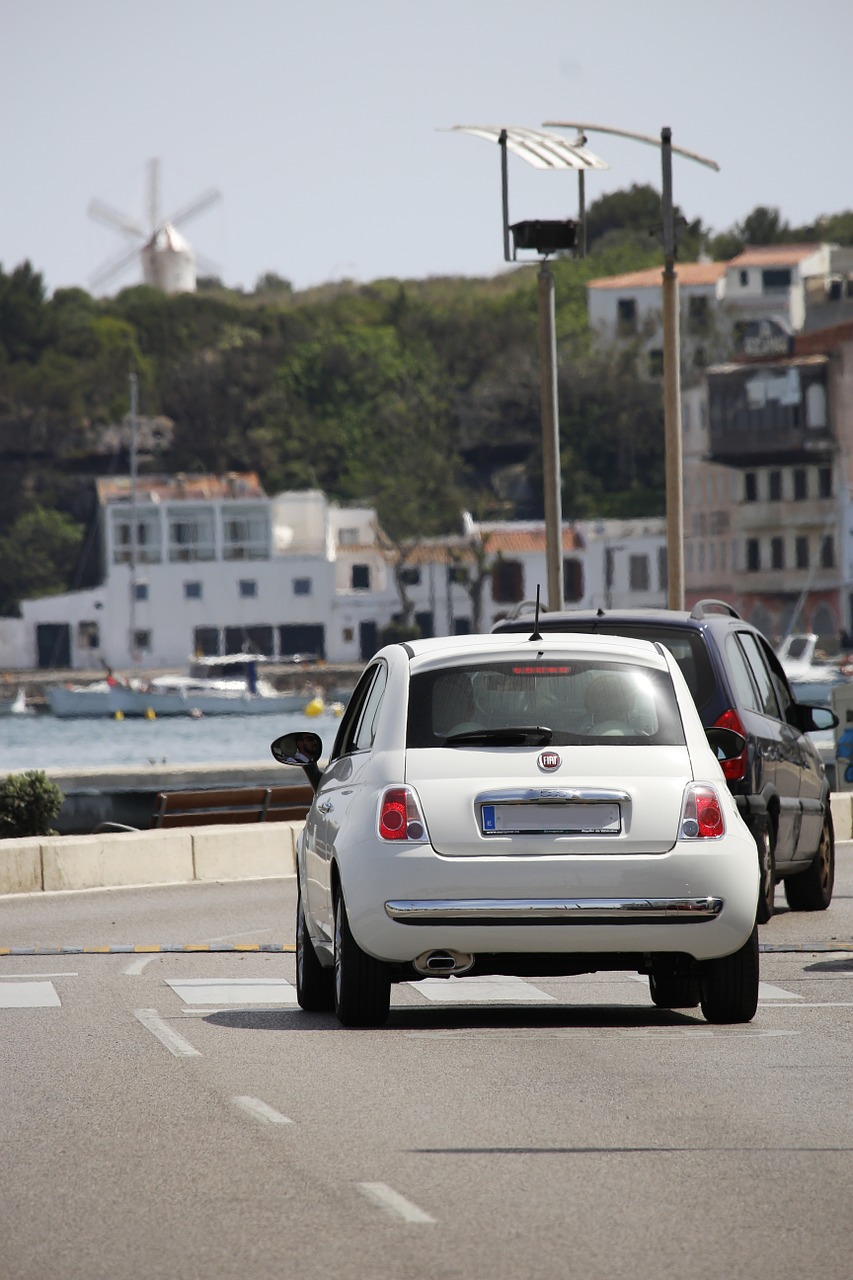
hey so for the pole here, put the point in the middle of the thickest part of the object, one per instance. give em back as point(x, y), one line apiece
point(672, 392)
point(550, 439)
point(505, 194)
point(134, 409)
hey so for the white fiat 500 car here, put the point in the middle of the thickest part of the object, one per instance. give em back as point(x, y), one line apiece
point(495, 804)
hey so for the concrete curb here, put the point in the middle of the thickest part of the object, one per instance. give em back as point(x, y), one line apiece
point(217, 852)
point(118, 859)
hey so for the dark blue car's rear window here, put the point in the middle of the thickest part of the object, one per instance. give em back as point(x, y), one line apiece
point(686, 644)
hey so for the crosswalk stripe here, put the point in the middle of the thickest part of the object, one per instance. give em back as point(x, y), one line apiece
point(485, 990)
point(233, 991)
point(28, 995)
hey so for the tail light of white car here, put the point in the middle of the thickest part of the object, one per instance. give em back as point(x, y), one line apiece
point(400, 816)
point(701, 813)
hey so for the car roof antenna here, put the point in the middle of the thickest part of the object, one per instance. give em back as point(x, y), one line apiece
point(537, 635)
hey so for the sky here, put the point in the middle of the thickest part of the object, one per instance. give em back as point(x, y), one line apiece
point(323, 124)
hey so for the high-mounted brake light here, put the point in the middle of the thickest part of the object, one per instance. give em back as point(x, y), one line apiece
point(400, 816)
point(734, 770)
point(701, 813)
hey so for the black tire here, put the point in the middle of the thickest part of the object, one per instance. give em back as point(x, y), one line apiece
point(764, 843)
point(811, 890)
point(315, 986)
point(671, 991)
point(362, 984)
point(729, 985)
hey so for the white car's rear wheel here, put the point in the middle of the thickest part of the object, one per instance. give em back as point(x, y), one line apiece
point(729, 985)
point(362, 984)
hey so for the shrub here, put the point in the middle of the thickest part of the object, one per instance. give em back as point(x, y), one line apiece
point(28, 804)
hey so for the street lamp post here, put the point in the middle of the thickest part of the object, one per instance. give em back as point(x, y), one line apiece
point(544, 151)
point(671, 352)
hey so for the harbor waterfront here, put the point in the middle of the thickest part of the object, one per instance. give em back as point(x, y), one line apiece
point(48, 743)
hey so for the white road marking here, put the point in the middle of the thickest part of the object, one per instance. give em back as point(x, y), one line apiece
point(136, 966)
point(485, 990)
point(29, 995)
point(260, 1111)
point(392, 1202)
point(233, 991)
point(176, 1044)
point(31, 977)
point(606, 1033)
point(766, 991)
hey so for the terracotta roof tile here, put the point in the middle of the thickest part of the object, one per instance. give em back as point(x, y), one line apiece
point(689, 273)
point(189, 488)
point(783, 255)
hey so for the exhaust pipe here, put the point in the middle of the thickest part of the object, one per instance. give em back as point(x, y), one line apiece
point(441, 964)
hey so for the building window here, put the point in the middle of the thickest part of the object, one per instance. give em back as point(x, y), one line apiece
point(302, 586)
point(777, 553)
point(753, 555)
point(248, 589)
point(750, 487)
point(638, 573)
point(457, 573)
point(347, 635)
point(626, 316)
point(697, 314)
point(360, 577)
point(140, 590)
point(206, 642)
point(800, 483)
point(824, 482)
point(507, 582)
point(141, 641)
point(744, 279)
point(88, 636)
point(348, 537)
point(827, 552)
point(245, 534)
point(572, 579)
point(801, 551)
point(656, 364)
point(775, 278)
point(775, 486)
point(409, 576)
point(192, 590)
point(191, 535)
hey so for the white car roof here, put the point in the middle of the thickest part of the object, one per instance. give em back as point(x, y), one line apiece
point(450, 649)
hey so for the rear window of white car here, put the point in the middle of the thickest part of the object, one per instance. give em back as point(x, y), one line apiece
point(587, 702)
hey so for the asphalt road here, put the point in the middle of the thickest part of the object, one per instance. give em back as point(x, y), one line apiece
point(173, 1114)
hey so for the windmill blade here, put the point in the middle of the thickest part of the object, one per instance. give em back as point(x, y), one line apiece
point(112, 268)
point(102, 212)
point(196, 207)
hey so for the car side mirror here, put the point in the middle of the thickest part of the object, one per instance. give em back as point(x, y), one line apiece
point(303, 749)
point(810, 719)
point(726, 744)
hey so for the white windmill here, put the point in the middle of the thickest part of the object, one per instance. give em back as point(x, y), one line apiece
point(168, 260)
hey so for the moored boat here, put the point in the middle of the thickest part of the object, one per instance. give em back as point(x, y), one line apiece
point(214, 686)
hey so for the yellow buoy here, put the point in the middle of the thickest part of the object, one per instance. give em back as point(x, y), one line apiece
point(150, 713)
point(118, 715)
point(315, 707)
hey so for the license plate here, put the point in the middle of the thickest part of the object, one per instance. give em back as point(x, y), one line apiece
point(551, 819)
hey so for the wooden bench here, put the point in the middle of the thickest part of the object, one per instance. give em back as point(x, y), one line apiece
point(288, 803)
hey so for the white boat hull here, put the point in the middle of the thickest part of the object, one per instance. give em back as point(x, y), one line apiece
point(96, 702)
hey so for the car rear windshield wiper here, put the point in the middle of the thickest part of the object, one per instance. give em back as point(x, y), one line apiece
point(512, 735)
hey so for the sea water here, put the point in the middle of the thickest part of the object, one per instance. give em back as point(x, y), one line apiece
point(44, 742)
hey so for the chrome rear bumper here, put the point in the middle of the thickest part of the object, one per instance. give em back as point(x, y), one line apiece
point(543, 911)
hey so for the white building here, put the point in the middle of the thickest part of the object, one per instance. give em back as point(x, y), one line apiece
point(212, 565)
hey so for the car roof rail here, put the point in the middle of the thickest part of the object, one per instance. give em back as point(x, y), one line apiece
point(703, 607)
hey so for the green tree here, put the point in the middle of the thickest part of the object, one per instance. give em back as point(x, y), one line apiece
point(37, 557)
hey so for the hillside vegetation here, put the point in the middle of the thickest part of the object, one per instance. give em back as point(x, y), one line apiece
point(418, 397)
